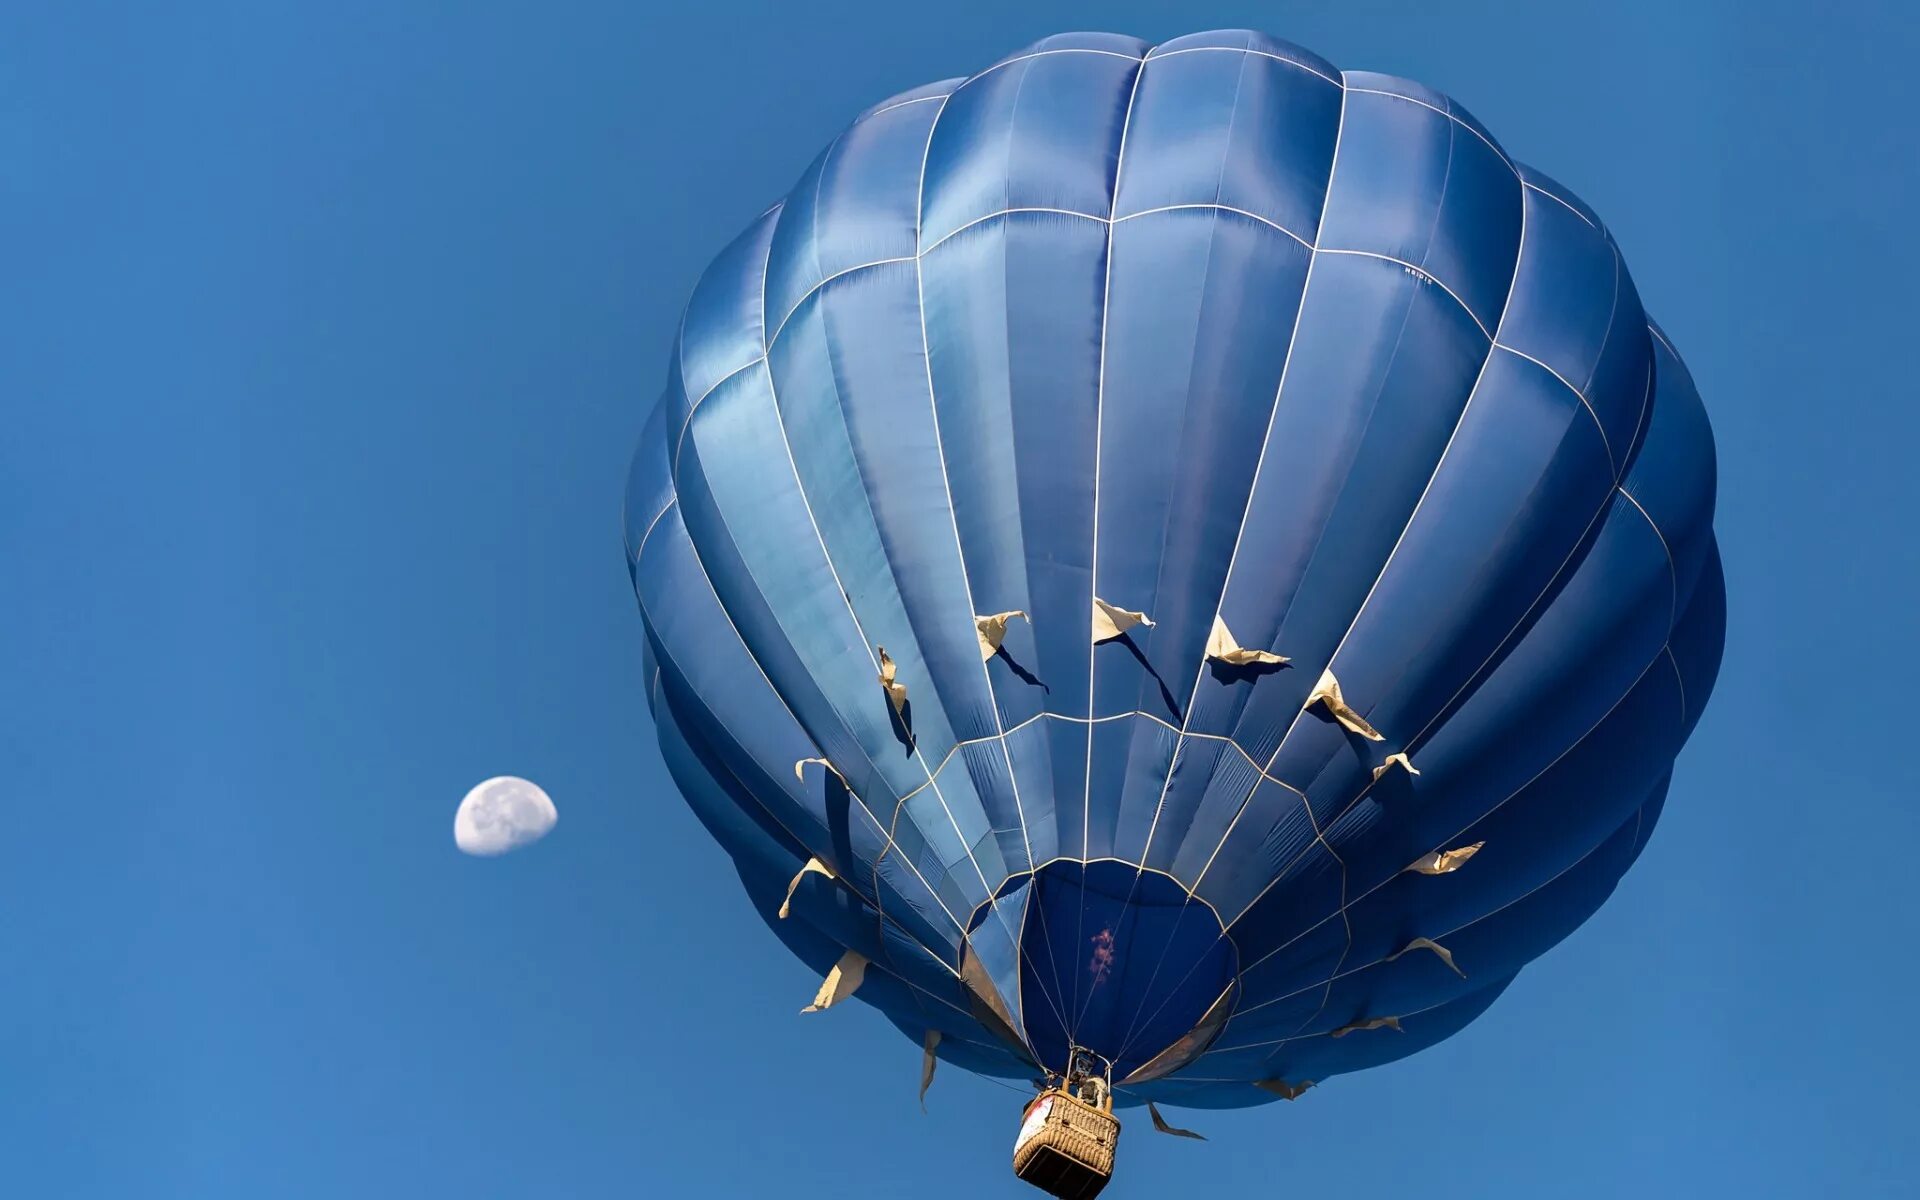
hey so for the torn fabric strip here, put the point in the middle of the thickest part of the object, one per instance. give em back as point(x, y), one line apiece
point(1400, 760)
point(992, 630)
point(1327, 694)
point(814, 867)
point(1444, 862)
point(1221, 647)
point(1420, 943)
point(1160, 1123)
point(1110, 622)
point(799, 769)
point(928, 1061)
point(840, 982)
point(1392, 1023)
point(889, 670)
point(1283, 1089)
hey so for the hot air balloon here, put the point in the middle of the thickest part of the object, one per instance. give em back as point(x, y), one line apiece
point(1173, 570)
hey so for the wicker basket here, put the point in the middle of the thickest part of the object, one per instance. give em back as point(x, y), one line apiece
point(1066, 1145)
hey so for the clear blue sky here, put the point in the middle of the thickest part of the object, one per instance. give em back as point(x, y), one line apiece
point(325, 331)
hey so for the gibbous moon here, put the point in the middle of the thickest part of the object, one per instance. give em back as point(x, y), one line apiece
point(502, 814)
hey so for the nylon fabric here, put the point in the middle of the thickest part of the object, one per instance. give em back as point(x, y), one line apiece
point(1369, 420)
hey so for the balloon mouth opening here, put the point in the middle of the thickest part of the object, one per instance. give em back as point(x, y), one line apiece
point(1118, 960)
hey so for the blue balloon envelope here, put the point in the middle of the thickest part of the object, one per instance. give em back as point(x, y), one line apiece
point(1002, 462)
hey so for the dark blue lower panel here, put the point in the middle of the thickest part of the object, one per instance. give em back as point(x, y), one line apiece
point(1120, 961)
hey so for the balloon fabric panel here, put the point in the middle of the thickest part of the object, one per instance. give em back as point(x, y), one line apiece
point(1217, 334)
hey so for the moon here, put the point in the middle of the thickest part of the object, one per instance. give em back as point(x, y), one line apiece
point(502, 814)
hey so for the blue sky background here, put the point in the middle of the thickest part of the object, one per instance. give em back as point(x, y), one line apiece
point(325, 332)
